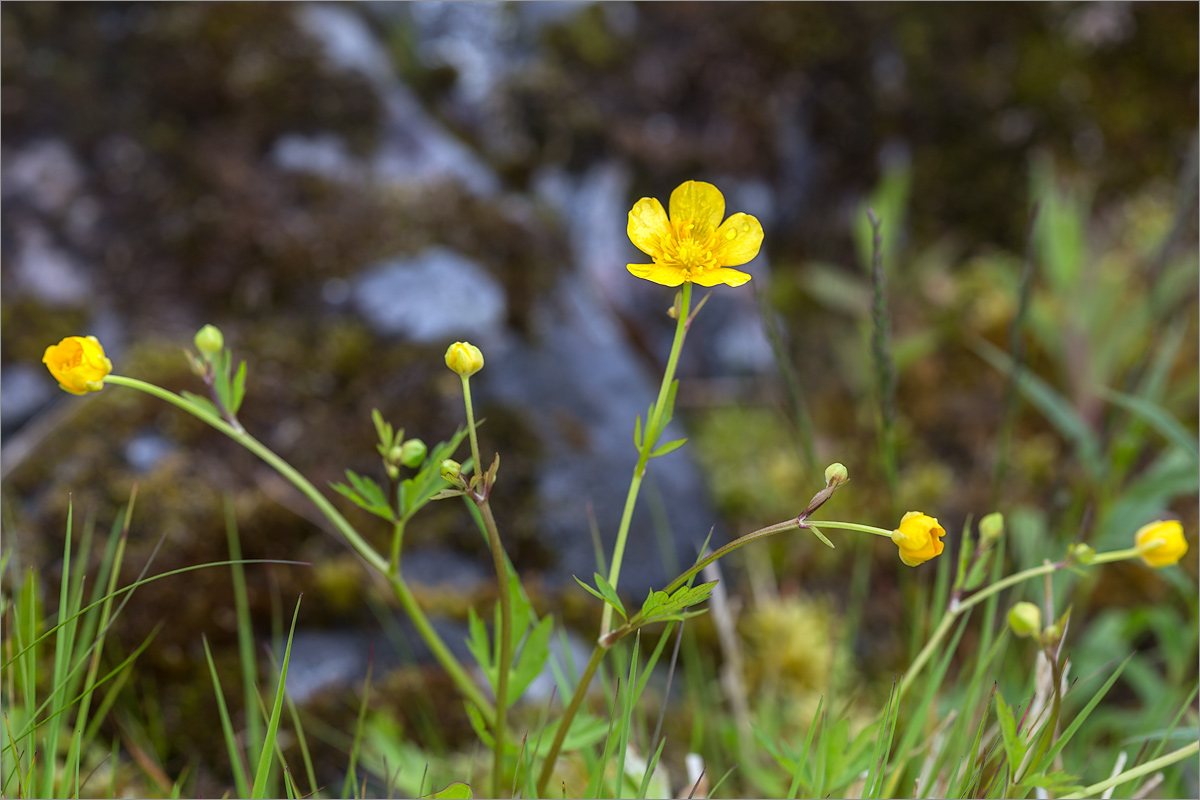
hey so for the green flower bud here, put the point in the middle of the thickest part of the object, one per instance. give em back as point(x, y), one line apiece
point(464, 358)
point(991, 527)
point(393, 471)
point(412, 453)
point(451, 470)
point(1025, 619)
point(836, 474)
point(1052, 635)
point(1082, 553)
point(209, 341)
point(395, 454)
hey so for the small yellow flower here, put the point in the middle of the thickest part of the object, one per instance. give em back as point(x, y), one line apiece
point(1161, 543)
point(464, 358)
point(693, 246)
point(78, 364)
point(919, 538)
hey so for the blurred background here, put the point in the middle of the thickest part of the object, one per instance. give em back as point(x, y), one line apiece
point(345, 189)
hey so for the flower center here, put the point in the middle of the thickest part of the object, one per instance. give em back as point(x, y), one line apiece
point(689, 253)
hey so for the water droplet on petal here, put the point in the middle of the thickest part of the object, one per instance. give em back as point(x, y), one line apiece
point(730, 234)
point(745, 227)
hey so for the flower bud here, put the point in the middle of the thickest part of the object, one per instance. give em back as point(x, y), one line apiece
point(451, 470)
point(394, 455)
point(392, 470)
point(991, 527)
point(209, 341)
point(1025, 619)
point(1161, 543)
point(464, 358)
point(836, 474)
point(412, 453)
point(1052, 635)
point(1081, 553)
point(78, 364)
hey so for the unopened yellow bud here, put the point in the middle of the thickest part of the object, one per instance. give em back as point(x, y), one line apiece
point(1161, 543)
point(1025, 619)
point(836, 474)
point(78, 364)
point(919, 538)
point(209, 341)
point(412, 453)
point(991, 527)
point(451, 470)
point(464, 358)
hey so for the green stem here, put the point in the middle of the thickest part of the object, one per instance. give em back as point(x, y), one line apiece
point(957, 608)
point(649, 439)
point(564, 724)
point(505, 663)
point(479, 468)
point(851, 526)
point(397, 540)
point(1096, 789)
point(439, 649)
point(761, 533)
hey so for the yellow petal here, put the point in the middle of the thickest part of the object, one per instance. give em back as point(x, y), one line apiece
point(712, 277)
point(700, 204)
point(658, 273)
point(738, 240)
point(648, 226)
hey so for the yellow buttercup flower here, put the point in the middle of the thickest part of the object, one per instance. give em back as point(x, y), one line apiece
point(464, 358)
point(78, 364)
point(1161, 543)
point(919, 538)
point(693, 245)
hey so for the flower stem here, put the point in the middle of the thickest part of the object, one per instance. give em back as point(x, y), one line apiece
point(852, 526)
point(957, 608)
point(649, 439)
point(504, 663)
point(439, 649)
point(397, 539)
point(564, 724)
point(1096, 789)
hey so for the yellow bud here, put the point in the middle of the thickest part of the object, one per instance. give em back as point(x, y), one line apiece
point(412, 453)
point(464, 358)
point(1025, 619)
point(451, 470)
point(836, 474)
point(209, 341)
point(78, 364)
point(991, 527)
point(919, 538)
point(1161, 543)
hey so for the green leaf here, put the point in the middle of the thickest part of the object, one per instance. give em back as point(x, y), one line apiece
point(817, 533)
point(609, 594)
point(380, 511)
point(239, 389)
point(532, 659)
point(637, 432)
point(478, 644)
point(455, 791)
point(202, 402)
point(668, 447)
point(1054, 407)
point(1162, 421)
point(383, 429)
point(660, 606)
point(1013, 746)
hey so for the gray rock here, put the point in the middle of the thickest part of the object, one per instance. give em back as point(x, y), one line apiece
point(48, 272)
point(432, 297)
point(45, 173)
point(24, 389)
point(146, 449)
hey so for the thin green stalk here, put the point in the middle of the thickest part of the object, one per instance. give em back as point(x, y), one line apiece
point(648, 442)
point(504, 665)
point(397, 539)
point(1096, 789)
point(564, 724)
point(439, 649)
point(958, 607)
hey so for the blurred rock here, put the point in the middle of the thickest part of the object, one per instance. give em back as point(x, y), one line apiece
point(48, 272)
point(43, 172)
point(24, 389)
point(435, 296)
point(146, 449)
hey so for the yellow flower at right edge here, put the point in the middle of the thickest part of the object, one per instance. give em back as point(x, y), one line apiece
point(78, 364)
point(693, 245)
point(1161, 543)
point(919, 538)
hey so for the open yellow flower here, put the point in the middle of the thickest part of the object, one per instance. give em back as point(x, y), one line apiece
point(919, 538)
point(78, 364)
point(1161, 543)
point(693, 245)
